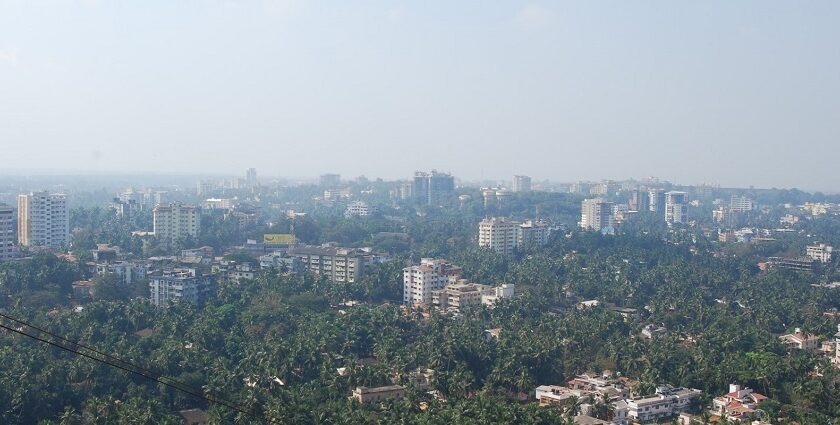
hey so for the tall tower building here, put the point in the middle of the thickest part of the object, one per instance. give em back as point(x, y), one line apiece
point(7, 232)
point(521, 184)
point(176, 221)
point(639, 200)
point(676, 207)
point(498, 234)
point(656, 198)
point(251, 177)
point(43, 220)
point(596, 214)
point(432, 188)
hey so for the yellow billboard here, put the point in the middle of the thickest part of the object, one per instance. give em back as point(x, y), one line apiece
point(278, 238)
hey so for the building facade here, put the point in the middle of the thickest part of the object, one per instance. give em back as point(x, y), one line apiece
point(432, 188)
point(656, 202)
point(498, 234)
point(189, 285)
point(337, 264)
point(43, 220)
point(176, 221)
point(420, 281)
point(676, 207)
point(596, 214)
point(7, 233)
point(521, 184)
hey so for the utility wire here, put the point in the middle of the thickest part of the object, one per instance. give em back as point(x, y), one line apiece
point(131, 368)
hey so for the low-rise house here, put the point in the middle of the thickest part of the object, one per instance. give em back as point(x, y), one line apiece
point(377, 394)
point(82, 289)
point(556, 395)
point(605, 384)
point(800, 340)
point(651, 331)
point(738, 404)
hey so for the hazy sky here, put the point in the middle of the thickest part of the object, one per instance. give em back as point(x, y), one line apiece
point(738, 93)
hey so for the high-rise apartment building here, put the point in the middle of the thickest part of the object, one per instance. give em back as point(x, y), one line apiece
point(188, 285)
point(596, 214)
point(656, 199)
point(251, 177)
point(531, 233)
point(329, 180)
point(676, 207)
point(431, 275)
point(521, 184)
point(7, 232)
point(639, 200)
point(432, 188)
point(741, 204)
point(344, 265)
point(43, 220)
point(176, 221)
point(498, 234)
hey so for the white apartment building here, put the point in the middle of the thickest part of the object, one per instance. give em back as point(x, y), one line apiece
point(498, 234)
point(596, 214)
point(820, 252)
point(358, 209)
point(43, 220)
point(7, 233)
point(741, 204)
point(667, 401)
point(127, 271)
point(521, 184)
point(532, 233)
point(337, 264)
point(176, 221)
point(676, 207)
point(219, 203)
point(180, 285)
point(455, 296)
point(431, 275)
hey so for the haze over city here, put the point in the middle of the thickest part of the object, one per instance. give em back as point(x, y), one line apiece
point(739, 94)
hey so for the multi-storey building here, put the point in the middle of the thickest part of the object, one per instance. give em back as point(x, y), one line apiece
point(455, 296)
point(656, 202)
point(7, 232)
point(176, 221)
point(251, 177)
point(43, 220)
point(127, 271)
point(667, 401)
point(639, 200)
point(432, 188)
point(431, 275)
point(820, 252)
point(532, 233)
point(188, 285)
point(498, 234)
point(358, 209)
point(676, 207)
point(337, 264)
point(596, 214)
point(329, 180)
point(741, 204)
point(521, 184)
point(377, 394)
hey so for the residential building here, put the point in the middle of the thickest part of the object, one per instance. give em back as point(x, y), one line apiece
point(329, 180)
point(556, 395)
point(431, 275)
point(82, 289)
point(346, 265)
point(639, 200)
point(358, 209)
point(432, 188)
point(596, 214)
point(125, 208)
point(43, 220)
point(521, 184)
point(667, 401)
point(281, 261)
point(656, 199)
point(175, 221)
point(820, 252)
point(231, 271)
point(7, 233)
point(604, 384)
point(738, 404)
point(651, 331)
point(676, 207)
point(498, 234)
point(531, 233)
point(800, 340)
point(251, 177)
point(377, 394)
point(219, 203)
point(455, 296)
point(796, 264)
point(740, 204)
point(189, 285)
point(127, 271)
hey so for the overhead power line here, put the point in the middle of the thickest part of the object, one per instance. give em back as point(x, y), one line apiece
point(124, 365)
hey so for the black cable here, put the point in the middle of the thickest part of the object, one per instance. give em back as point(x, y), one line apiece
point(161, 380)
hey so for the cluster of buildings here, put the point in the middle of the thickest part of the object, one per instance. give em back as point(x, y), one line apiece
point(667, 401)
point(505, 236)
point(601, 215)
point(436, 282)
point(42, 221)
